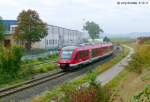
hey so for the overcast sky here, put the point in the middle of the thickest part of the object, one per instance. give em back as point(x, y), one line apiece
point(111, 17)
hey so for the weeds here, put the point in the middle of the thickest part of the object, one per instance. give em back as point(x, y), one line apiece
point(76, 91)
point(10, 60)
point(140, 60)
point(143, 96)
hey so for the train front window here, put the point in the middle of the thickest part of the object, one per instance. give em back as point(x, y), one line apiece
point(66, 54)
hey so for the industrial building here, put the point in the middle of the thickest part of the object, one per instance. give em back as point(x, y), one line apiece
point(57, 36)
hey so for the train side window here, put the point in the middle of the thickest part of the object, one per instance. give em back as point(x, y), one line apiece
point(77, 56)
point(82, 54)
point(93, 52)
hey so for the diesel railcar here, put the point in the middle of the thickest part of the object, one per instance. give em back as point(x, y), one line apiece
point(74, 56)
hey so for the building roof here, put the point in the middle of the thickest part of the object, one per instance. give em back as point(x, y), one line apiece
point(8, 23)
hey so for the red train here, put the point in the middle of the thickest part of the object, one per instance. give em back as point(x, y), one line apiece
point(73, 56)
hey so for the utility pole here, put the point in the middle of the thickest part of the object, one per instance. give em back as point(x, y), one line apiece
point(30, 17)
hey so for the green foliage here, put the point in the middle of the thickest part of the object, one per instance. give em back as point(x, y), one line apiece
point(91, 92)
point(2, 29)
point(140, 59)
point(40, 60)
point(93, 29)
point(92, 77)
point(87, 94)
point(43, 68)
point(10, 60)
point(76, 91)
point(30, 27)
point(143, 96)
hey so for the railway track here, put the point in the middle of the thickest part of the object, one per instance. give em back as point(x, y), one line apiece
point(11, 90)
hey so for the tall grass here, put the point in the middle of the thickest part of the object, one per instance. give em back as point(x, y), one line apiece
point(77, 91)
point(143, 96)
point(10, 59)
point(141, 58)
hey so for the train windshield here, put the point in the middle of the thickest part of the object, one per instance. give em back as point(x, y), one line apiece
point(66, 54)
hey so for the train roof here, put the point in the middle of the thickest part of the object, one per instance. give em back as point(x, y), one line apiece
point(86, 46)
point(69, 48)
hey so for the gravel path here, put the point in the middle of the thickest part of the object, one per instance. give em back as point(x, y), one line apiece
point(114, 71)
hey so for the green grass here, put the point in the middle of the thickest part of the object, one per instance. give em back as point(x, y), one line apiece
point(127, 84)
point(122, 40)
point(41, 60)
point(142, 96)
point(15, 82)
point(44, 68)
point(58, 90)
point(147, 42)
point(28, 72)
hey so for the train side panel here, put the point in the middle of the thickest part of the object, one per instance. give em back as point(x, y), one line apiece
point(81, 57)
point(86, 55)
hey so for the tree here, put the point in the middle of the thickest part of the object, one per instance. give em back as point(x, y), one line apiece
point(2, 30)
point(30, 27)
point(93, 29)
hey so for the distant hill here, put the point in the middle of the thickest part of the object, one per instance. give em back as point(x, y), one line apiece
point(128, 35)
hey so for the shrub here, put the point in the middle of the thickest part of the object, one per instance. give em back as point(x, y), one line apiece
point(10, 61)
point(79, 90)
point(92, 92)
point(140, 59)
point(40, 59)
point(43, 68)
point(143, 96)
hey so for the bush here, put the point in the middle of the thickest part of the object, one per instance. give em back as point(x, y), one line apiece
point(143, 96)
point(78, 90)
point(140, 59)
point(92, 92)
point(43, 68)
point(10, 63)
point(88, 94)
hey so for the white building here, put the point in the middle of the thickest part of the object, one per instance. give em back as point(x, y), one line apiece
point(58, 37)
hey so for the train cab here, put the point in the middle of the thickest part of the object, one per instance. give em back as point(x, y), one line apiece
point(66, 56)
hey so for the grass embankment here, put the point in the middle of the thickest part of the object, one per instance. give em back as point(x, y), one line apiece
point(28, 70)
point(69, 87)
point(127, 84)
point(134, 78)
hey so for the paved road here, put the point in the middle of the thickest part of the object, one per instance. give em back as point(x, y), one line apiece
point(114, 71)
